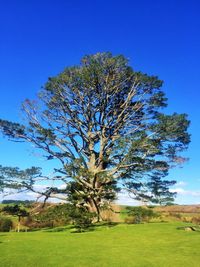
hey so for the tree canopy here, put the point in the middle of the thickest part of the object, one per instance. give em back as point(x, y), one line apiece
point(104, 122)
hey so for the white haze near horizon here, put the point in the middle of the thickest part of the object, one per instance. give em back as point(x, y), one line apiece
point(122, 198)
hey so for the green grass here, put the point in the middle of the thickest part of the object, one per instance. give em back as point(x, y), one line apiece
point(145, 245)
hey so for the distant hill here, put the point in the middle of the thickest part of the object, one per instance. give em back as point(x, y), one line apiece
point(17, 202)
point(179, 208)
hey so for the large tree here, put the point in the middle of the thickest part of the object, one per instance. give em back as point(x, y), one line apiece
point(103, 121)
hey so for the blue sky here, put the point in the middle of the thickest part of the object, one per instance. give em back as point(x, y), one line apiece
point(39, 38)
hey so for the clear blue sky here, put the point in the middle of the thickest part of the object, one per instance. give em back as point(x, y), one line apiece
point(39, 38)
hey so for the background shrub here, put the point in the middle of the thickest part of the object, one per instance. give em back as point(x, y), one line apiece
point(51, 217)
point(140, 214)
point(5, 224)
point(81, 218)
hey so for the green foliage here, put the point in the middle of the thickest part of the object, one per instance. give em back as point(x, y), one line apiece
point(81, 218)
point(159, 190)
point(15, 210)
point(103, 121)
point(60, 215)
point(139, 214)
point(5, 224)
point(53, 216)
point(14, 178)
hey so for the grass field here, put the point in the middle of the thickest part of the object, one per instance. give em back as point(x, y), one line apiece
point(145, 245)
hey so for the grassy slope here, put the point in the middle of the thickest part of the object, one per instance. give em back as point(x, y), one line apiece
point(155, 244)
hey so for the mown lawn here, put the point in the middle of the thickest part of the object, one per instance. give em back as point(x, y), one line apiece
point(145, 245)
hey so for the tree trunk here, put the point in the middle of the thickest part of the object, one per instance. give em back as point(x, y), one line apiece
point(18, 225)
point(94, 207)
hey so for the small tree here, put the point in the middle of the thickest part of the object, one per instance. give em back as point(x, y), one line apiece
point(16, 210)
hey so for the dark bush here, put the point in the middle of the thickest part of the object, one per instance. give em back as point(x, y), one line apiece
point(51, 217)
point(81, 218)
point(139, 214)
point(61, 215)
point(5, 224)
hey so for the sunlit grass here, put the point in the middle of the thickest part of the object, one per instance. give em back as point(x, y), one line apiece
point(154, 244)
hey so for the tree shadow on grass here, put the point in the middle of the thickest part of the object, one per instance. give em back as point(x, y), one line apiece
point(59, 229)
point(73, 229)
point(81, 231)
point(106, 224)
